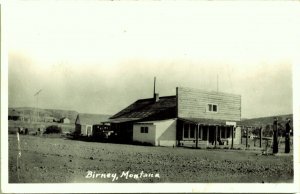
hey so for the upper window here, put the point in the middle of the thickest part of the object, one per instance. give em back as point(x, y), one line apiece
point(212, 108)
point(144, 129)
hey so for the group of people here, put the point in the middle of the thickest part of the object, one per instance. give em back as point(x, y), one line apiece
point(287, 136)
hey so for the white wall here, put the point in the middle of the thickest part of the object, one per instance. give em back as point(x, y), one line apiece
point(160, 133)
point(66, 120)
point(238, 135)
point(86, 130)
point(166, 133)
point(89, 130)
point(144, 137)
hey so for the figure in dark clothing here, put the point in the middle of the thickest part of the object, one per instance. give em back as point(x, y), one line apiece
point(287, 136)
point(275, 136)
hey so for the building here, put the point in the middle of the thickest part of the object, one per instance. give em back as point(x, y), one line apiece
point(65, 120)
point(84, 123)
point(192, 117)
point(14, 115)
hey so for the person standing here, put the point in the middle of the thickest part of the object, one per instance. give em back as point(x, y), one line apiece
point(275, 136)
point(287, 136)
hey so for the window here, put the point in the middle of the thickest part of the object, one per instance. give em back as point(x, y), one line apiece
point(215, 108)
point(186, 131)
point(223, 132)
point(144, 129)
point(212, 108)
point(192, 131)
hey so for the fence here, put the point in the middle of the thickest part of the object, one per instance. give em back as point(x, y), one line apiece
point(257, 141)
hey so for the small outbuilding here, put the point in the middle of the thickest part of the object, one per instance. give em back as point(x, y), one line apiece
point(14, 115)
point(65, 120)
point(84, 122)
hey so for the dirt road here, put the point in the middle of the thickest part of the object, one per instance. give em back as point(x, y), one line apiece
point(58, 160)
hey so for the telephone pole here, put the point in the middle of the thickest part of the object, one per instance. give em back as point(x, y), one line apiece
point(37, 103)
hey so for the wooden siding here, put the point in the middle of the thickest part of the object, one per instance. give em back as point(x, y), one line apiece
point(192, 103)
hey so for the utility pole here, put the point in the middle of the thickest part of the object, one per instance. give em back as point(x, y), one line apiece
point(217, 82)
point(154, 87)
point(37, 103)
point(287, 136)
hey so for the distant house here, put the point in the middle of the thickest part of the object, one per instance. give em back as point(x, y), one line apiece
point(84, 123)
point(65, 120)
point(191, 117)
point(14, 115)
point(48, 119)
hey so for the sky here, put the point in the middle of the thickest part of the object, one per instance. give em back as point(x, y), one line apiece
point(101, 56)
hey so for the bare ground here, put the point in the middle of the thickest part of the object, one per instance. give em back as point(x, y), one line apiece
point(58, 160)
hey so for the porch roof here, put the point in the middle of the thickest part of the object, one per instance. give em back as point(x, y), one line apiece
point(202, 121)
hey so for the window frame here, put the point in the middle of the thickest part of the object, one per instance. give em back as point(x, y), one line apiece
point(210, 107)
point(144, 129)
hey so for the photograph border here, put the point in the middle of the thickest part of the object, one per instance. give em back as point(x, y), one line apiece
point(141, 187)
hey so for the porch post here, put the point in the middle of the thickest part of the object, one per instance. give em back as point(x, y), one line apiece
point(232, 137)
point(207, 127)
point(254, 139)
point(197, 135)
point(216, 133)
point(201, 129)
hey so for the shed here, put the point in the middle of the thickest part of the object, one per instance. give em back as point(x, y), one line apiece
point(84, 122)
point(14, 115)
point(65, 120)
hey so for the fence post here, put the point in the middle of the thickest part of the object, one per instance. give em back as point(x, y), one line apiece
point(232, 137)
point(246, 137)
point(197, 135)
point(275, 136)
point(287, 137)
point(260, 136)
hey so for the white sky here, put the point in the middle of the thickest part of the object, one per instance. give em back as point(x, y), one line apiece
point(99, 56)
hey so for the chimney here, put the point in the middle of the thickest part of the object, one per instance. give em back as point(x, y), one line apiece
point(155, 95)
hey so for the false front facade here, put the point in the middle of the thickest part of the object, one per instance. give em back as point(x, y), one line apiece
point(192, 117)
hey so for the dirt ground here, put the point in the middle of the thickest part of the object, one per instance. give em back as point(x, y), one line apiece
point(58, 160)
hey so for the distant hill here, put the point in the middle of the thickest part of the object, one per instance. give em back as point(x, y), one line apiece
point(263, 121)
point(31, 112)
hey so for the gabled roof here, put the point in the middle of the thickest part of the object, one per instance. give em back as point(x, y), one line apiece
point(90, 119)
point(145, 109)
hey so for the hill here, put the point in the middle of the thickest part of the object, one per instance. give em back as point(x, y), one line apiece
point(264, 121)
point(33, 113)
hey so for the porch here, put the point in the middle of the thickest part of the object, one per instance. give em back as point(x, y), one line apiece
point(203, 133)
